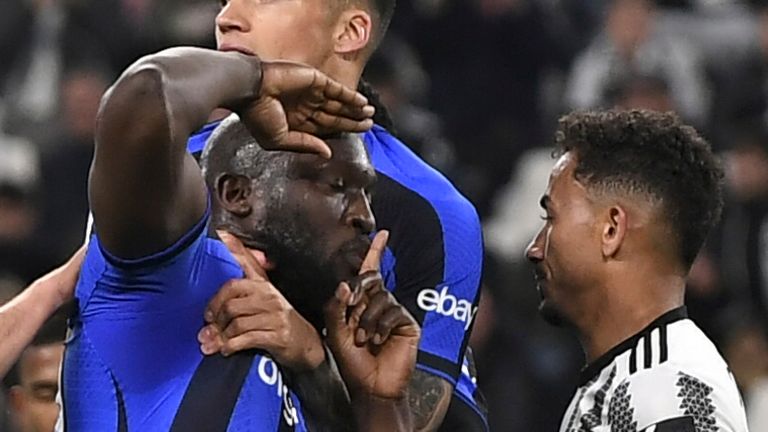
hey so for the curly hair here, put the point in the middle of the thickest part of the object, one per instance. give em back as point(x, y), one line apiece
point(641, 152)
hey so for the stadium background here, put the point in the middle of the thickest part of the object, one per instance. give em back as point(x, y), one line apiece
point(475, 87)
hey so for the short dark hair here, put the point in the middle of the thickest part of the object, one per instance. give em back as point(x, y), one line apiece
point(653, 154)
point(232, 149)
point(384, 9)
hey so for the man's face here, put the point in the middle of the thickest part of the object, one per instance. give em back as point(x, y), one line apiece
point(317, 221)
point(34, 400)
point(297, 30)
point(565, 251)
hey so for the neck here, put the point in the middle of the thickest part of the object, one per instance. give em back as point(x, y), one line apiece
point(345, 71)
point(626, 306)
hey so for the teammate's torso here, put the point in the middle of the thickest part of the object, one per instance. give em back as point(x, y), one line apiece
point(667, 378)
point(133, 362)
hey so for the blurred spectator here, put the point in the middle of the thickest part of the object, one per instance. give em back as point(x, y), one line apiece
point(46, 38)
point(744, 247)
point(487, 60)
point(33, 383)
point(747, 353)
point(395, 73)
point(516, 213)
point(631, 43)
point(19, 215)
point(66, 161)
point(641, 92)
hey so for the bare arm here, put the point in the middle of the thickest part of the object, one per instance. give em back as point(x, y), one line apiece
point(22, 317)
point(142, 179)
point(429, 398)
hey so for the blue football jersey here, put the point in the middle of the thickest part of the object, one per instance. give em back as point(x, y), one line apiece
point(432, 264)
point(133, 362)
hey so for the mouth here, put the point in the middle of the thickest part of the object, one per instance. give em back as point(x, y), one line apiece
point(236, 48)
point(354, 252)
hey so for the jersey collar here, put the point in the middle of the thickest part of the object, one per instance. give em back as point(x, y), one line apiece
point(592, 370)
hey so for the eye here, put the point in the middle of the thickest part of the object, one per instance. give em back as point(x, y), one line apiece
point(223, 3)
point(545, 217)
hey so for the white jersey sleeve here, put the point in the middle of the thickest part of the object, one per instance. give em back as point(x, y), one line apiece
point(670, 399)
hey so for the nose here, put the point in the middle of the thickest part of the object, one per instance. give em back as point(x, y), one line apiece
point(359, 214)
point(232, 17)
point(534, 252)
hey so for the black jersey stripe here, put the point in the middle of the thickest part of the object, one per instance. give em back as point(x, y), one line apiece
point(416, 268)
point(633, 360)
point(663, 354)
point(219, 376)
point(122, 419)
point(647, 351)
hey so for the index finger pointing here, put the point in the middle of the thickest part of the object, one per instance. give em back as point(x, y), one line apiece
point(372, 261)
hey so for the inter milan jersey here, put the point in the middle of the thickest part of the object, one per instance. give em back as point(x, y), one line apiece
point(667, 378)
point(133, 362)
point(432, 263)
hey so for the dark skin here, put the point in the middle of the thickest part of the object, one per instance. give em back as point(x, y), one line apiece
point(281, 103)
point(337, 38)
point(143, 180)
point(376, 373)
point(255, 313)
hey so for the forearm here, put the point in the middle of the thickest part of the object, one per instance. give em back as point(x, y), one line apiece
point(429, 399)
point(374, 414)
point(324, 397)
point(22, 317)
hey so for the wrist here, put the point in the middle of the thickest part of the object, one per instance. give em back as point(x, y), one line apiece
point(311, 356)
point(374, 413)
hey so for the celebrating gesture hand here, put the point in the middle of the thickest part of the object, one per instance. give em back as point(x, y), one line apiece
point(296, 102)
point(373, 338)
point(251, 313)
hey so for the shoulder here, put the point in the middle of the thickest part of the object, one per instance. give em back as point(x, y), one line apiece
point(693, 386)
point(414, 196)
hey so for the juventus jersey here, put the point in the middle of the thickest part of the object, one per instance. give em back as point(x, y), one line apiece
point(669, 377)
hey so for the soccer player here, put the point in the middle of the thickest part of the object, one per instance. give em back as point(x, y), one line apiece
point(133, 361)
point(629, 203)
point(434, 256)
point(32, 397)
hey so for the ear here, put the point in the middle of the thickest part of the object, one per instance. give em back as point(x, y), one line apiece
point(233, 193)
point(353, 32)
point(614, 231)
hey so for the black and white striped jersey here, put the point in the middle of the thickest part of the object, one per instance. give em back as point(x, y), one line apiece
point(669, 377)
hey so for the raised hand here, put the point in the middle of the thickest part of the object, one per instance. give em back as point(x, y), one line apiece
point(251, 313)
point(297, 102)
point(378, 359)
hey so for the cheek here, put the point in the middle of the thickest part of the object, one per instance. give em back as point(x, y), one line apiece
point(294, 34)
point(45, 414)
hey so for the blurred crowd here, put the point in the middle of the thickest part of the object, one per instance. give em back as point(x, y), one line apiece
point(475, 87)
